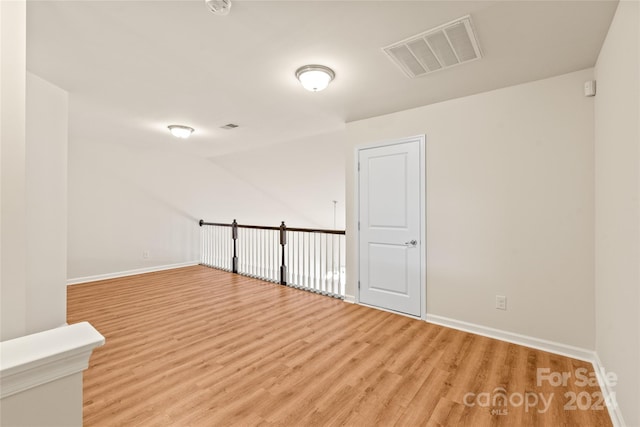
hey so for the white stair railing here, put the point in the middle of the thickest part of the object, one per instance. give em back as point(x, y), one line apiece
point(304, 258)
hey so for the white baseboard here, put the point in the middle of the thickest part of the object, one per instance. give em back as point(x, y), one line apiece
point(351, 299)
point(527, 341)
point(95, 278)
point(552, 347)
point(609, 396)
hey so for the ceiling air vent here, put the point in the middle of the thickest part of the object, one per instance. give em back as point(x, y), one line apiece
point(441, 47)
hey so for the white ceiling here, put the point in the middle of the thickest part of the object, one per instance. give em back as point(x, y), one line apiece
point(132, 68)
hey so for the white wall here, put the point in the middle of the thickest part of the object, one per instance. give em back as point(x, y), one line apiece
point(509, 206)
point(12, 157)
point(124, 200)
point(33, 159)
point(46, 197)
point(303, 176)
point(34, 187)
point(617, 210)
point(57, 403)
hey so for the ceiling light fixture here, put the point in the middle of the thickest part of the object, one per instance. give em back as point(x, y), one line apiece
point(219, 7)
point(315, 77)
point(180, 131)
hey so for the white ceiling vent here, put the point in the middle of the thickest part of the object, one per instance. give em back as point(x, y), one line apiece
point(441, 47)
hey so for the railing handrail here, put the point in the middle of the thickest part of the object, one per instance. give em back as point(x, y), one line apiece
point(264, 227)
point(314, 267)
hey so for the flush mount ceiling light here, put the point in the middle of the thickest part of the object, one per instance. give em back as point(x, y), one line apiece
point(315, 77)
point(180, 131)
point(219, 7)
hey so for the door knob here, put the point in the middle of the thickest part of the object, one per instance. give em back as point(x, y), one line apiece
point(411, 243)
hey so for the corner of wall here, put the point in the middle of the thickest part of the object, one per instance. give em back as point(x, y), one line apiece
point(617, 225)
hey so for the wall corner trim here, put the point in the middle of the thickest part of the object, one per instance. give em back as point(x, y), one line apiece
point(608, 394)
point(86, 279)
point(37, 359)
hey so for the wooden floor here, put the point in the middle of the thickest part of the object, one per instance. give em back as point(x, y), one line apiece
point(201, 347)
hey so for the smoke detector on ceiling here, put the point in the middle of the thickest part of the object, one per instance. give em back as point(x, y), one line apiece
point(219, 7)
point(442, 47)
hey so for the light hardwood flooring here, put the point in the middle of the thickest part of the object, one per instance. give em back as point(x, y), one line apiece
point(201, 347)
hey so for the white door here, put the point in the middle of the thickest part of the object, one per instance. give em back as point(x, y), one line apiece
point(390, 201)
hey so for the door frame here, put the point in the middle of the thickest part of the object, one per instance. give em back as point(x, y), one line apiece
point(421, 139)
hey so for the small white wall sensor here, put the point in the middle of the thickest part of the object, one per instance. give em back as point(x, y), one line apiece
point(590, 88)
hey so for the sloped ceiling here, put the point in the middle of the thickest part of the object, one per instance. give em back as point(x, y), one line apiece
point(134, 67)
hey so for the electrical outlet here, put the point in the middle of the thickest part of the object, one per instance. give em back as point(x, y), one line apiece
point(501, 302)
point(145, 255)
